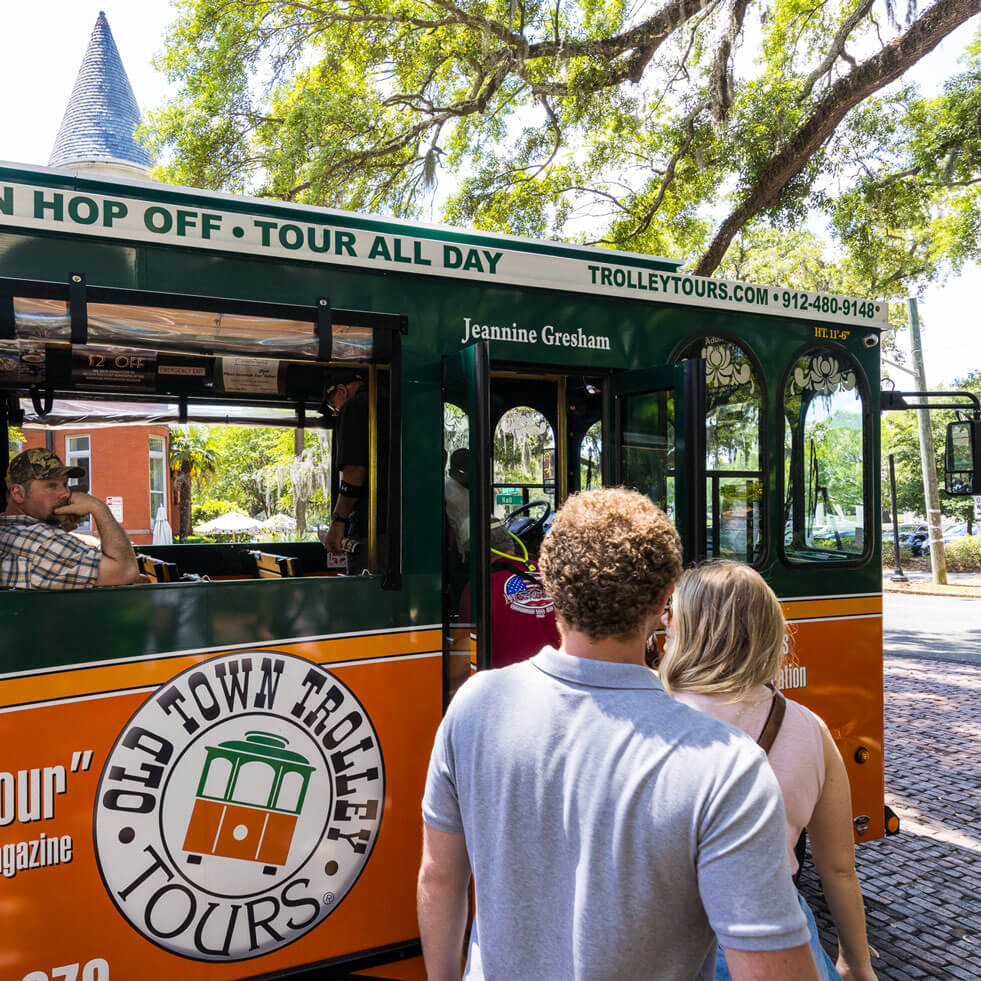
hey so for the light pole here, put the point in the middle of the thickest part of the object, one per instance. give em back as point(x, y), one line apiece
point(928, 458)
point(897, 575)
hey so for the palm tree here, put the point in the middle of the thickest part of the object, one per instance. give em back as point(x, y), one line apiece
point(191, 458)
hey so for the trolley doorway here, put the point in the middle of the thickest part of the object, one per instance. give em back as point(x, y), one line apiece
point(522, 441)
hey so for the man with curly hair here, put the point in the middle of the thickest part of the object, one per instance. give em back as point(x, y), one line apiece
point(611, 831)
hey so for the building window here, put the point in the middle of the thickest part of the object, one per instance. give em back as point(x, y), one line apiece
point(78, 453)
point(158, 476)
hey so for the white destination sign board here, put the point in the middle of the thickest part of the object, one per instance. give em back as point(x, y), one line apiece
point(319, 235)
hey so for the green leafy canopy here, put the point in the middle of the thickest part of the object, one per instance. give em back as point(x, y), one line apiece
point(669, 128)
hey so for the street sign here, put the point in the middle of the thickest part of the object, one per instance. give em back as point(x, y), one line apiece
point(508, 497)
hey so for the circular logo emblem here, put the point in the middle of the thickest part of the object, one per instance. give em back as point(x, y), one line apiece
point(527, 596)
point(239, 806)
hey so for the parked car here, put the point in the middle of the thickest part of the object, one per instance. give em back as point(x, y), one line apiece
point(913, 536)
point(919, 540)
point(957, 531)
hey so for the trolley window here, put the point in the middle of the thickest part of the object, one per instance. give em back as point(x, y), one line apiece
point(69, 350)
point(590, 458)
point(524, 460)
point(734, 413)
point(183, 329)
point(826, 436)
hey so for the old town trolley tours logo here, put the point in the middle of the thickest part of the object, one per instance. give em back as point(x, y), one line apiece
point(239, 806)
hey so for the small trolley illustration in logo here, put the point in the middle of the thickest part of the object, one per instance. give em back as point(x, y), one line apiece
point(525, 594)
point(248, 801)
point(239, 805)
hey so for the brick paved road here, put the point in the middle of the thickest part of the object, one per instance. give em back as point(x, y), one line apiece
point(923, 887)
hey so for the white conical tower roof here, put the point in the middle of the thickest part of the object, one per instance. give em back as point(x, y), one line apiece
point(97, 129)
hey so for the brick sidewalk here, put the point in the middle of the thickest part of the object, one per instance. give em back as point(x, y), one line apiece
point(923, 887)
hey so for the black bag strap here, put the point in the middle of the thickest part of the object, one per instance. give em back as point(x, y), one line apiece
point(778, 709)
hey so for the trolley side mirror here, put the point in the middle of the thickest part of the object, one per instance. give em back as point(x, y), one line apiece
point(962, 476)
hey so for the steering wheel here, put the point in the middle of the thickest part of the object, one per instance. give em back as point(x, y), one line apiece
point(530, 528)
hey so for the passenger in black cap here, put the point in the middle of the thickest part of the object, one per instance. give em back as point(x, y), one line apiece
point(347, 397)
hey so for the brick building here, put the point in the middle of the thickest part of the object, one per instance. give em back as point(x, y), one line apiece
point(127, 467)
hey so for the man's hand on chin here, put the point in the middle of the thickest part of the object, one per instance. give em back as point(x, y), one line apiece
point(66, 522)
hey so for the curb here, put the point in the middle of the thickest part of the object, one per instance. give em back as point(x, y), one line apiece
point(933, 589)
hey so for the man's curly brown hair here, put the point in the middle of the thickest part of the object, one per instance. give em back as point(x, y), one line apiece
point(608, 560)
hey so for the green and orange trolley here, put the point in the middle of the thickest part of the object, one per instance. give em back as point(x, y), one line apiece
point(221, 778)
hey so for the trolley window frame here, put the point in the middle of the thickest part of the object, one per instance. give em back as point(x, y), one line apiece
point(78, 293)
point(763, 434)
point(868, 529)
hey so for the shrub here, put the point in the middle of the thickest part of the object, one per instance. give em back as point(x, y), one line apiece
point(205, 510)
point(964, 554)
point(905, 556)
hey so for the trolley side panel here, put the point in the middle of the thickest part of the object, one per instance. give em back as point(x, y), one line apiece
point(56, 897)
point(835, 669)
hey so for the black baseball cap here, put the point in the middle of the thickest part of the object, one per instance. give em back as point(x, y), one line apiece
point(340, 378)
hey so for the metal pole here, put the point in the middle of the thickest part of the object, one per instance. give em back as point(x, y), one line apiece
point(928, 456)
point(897, 576)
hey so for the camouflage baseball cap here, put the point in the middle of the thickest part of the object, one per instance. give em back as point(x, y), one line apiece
point(38, 464)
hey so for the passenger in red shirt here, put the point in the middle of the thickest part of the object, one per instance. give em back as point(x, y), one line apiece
point(522, 614)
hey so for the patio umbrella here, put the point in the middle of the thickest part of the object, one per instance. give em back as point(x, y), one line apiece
point(279, 522)
point(163, 534)
point(230, 523)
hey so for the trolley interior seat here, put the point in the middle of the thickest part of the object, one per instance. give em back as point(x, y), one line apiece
point(270, 566)
point(157, 570)
point(235, 561)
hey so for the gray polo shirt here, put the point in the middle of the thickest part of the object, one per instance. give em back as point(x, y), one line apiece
point(610, 829)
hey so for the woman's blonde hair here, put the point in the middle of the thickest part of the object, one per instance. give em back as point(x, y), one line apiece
point(727, 631)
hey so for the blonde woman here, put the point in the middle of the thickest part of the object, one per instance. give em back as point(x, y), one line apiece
point(724, 648)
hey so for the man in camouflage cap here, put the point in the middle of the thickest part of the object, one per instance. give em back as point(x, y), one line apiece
point(36, 549)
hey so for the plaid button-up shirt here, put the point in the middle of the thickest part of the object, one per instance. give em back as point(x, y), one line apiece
point(36, 555)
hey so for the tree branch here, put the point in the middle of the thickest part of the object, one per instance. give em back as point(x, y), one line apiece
point(791, 157)
point(666, 181)
point(720, 79)
point(837, 47)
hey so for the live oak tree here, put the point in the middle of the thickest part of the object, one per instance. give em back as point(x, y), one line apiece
point(657, 127)
point(913, 208)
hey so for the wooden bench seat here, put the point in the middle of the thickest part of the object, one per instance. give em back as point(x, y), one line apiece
point(156, 570)
point(269, 566)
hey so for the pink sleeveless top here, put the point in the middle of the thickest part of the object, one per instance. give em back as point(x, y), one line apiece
point(797, 755)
